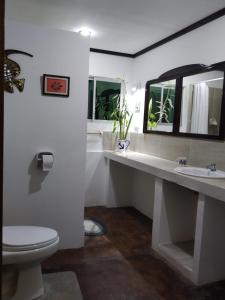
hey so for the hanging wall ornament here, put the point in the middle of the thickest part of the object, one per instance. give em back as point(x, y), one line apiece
point(12, 71)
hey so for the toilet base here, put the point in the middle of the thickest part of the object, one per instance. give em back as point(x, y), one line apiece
point(29, 283)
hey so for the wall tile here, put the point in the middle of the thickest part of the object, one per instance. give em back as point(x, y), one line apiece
point(198, 152)
point(146, 143)
point(172, 147)
point(205, 152)
point(109, 140)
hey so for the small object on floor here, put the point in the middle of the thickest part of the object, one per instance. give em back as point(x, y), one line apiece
point(93, 228)
point(61, 286)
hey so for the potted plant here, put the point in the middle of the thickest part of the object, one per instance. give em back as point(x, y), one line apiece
point(122, 120)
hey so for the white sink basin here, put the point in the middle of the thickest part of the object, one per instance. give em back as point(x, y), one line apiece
point(200, 172)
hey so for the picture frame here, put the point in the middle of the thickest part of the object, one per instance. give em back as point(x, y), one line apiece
point(55, 85)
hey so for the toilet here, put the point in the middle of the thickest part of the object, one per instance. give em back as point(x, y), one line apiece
point(23, 250)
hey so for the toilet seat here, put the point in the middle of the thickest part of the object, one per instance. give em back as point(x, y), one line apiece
point(24, 238)
point(24, 248)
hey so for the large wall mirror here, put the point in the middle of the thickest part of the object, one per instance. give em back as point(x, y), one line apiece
point(187, 101)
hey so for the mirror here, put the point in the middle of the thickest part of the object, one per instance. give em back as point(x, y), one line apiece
point(161, 106)
point(187, 101)
point(201, 103)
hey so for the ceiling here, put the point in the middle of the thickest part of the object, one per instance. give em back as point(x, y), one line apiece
point(119, 25)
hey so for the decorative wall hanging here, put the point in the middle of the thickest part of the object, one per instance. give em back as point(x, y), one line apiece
point(55, 85)
point(12, 71)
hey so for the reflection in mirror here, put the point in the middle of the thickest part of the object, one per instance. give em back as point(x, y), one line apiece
point(161, 106)
point(201, 103)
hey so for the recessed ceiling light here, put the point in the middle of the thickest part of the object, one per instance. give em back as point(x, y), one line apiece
point(86, 32)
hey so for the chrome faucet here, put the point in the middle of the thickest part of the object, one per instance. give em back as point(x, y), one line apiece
point(211, 167)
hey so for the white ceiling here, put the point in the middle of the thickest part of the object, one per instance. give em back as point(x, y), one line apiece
point(120, 25)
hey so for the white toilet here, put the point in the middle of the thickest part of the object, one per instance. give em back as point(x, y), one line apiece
point(24, 247)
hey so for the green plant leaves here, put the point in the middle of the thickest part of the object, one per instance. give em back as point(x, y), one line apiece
point(122, 118)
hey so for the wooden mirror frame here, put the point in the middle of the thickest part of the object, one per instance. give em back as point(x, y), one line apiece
point(178, 74)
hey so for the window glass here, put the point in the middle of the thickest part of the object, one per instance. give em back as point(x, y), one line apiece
point(106, 99)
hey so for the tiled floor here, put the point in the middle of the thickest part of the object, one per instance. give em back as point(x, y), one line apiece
point(122, 266)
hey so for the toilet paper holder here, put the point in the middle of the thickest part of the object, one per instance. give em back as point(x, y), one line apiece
point(39, 158)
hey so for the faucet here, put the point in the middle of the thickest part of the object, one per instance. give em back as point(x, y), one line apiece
point(182, 161)
point(211, 167)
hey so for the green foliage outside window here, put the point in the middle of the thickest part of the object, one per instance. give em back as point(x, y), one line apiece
point(90, 98)
point(106, 99)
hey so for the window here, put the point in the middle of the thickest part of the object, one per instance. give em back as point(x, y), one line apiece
point(103, 97)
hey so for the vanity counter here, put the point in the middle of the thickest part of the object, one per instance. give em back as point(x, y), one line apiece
point(164, 169)
point(188, 214)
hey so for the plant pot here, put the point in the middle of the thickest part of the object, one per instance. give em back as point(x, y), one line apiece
point(122, 145)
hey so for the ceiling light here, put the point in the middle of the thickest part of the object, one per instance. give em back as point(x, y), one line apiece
point(86, 32)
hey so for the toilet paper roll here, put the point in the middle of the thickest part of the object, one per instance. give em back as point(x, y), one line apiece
point(47, 162)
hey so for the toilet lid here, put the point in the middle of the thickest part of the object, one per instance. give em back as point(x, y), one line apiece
point(21, 238)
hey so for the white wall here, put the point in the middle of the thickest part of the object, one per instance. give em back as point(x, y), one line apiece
point(143, 191)
point(95, 184)
point(204, 45)
point(35, 123)
point(112, 67)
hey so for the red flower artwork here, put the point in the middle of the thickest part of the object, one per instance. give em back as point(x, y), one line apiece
point(55, 85)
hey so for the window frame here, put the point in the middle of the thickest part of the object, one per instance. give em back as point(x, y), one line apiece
point(106, 79)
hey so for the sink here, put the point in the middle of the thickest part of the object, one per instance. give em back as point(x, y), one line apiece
point(200, 172)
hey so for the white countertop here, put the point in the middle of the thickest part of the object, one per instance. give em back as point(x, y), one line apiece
point(164, 169)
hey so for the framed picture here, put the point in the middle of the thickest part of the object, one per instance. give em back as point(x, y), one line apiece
point(55, 85)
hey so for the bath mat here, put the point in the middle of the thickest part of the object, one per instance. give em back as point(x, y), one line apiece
point(61, 286)
point(93, 228)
